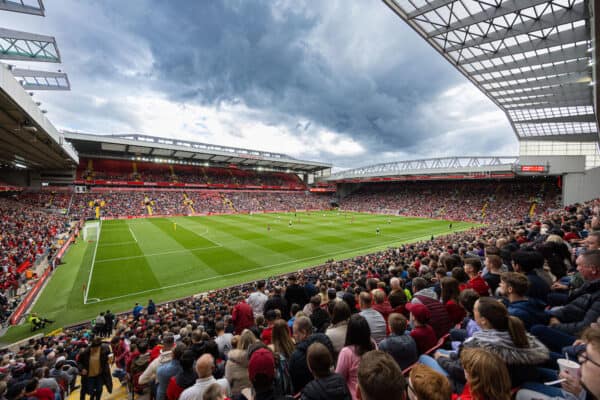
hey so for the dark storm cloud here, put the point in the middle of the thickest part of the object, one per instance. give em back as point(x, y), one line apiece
point(266, 57)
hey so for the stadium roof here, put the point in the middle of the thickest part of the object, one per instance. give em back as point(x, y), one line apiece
point(533, 58)
point(27, 137)
point(161, 149)
point(441, 165)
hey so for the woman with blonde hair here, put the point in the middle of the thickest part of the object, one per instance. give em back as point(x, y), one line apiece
point(236, 368)
point(486, 375)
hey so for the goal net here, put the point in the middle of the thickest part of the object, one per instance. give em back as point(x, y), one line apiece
point(90, 231)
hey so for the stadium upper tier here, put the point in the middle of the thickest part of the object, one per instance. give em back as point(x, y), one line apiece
point(106, 172)
point(533, 58)
point(177, 151)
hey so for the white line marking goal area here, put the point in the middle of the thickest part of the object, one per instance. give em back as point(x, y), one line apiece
point(87, 288)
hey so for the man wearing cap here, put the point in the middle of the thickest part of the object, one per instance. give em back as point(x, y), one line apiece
point(422, 332)
point(205, 366)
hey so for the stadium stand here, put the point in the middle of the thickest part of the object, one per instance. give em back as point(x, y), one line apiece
point(204, 326)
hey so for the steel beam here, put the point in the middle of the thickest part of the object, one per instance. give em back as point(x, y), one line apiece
point(578, 34)
point(558, 56)
point(21, 7)
point(575, 67)
point(42, 80)
point(25, 46)
point(576, 78)
point(562, 17)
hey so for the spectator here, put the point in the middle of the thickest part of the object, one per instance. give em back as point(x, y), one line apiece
point(339, 326)
point(166, 371)
point(205, 366)
point(236, 368)
point(358, 342)
point(319, 317)
point(422, 333)
point(377, 325)
point(277, 302)
point(486, 376)
point(281, 343)
point(326, 385)
point(265, 336)
point(166, 355)
point(493, 263)
point(476, 282)
point(450, 294)
point(242, 316)
point(258, 298)
point(261, 369)
point(94, 369)
point(439, 318)
point(582, 309)
point(295, 293)
point(425, 383)
point(379, 378)
point(303, 333)
point(223, 340)
point(399, 345)
point(531, 263)
point(184, 378)
point(531, 311)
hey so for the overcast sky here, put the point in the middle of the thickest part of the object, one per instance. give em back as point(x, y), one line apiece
point(339, 81)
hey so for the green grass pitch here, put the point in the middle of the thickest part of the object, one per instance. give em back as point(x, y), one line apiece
point(169, 258)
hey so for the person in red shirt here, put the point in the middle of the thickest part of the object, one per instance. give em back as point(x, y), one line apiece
point(422, 332)
point(267, 333)
point(242, 316)
point(32, 391)
point(476, 282)
point(450, 293)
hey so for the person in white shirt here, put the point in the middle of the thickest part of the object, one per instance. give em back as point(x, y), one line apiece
point(205, 366)
point(257, 299)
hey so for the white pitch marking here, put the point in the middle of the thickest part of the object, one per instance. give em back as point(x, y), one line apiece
point(133, 234)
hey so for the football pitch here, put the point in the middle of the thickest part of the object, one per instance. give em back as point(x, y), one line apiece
point(169, 258)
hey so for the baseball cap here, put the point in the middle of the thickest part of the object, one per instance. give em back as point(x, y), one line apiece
point(261, 362)
point(419, 311)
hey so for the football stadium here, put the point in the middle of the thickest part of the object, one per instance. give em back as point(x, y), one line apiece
point(164, 265)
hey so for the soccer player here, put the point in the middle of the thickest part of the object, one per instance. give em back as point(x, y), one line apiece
point(290, 223)
point(268, 227)
point(377, 231)
point(175, 226)
point(450, 226)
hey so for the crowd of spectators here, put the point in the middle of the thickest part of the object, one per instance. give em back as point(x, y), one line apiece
point(28, 230)
point(475, 201)
point(176, 202)
point(481, 314)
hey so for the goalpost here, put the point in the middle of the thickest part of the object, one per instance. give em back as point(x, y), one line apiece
point(91, 230)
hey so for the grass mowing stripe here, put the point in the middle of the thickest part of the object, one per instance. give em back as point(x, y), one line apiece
point(244, 272)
